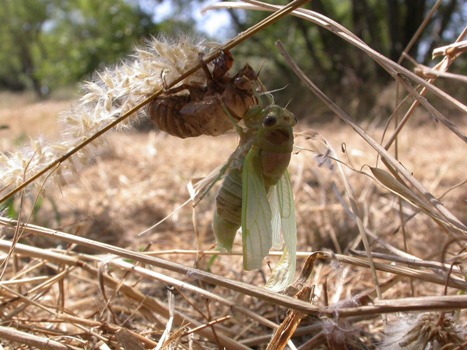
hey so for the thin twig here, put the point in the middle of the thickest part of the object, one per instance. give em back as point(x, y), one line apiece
point(449, 220)
point(199, 275)
point(208, 58)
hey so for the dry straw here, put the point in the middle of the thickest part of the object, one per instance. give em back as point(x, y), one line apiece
point(57, 298)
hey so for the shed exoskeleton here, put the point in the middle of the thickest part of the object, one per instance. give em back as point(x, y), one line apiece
point(202, 111)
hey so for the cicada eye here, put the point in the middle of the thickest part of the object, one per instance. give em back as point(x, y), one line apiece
point(270, 120)
point(292, 119)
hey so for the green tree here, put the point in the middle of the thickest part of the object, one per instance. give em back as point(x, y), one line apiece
point(344, 71)
point(50, 43)
point(22, 25)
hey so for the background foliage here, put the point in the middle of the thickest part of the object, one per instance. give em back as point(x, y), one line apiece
point(49, 44)
point(343, 72)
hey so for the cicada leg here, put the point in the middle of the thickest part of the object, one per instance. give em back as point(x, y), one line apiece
point(217, 80)
point(232, 118)
point(222, 64)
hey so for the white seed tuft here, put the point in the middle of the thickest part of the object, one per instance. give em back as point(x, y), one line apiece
point(111, 93)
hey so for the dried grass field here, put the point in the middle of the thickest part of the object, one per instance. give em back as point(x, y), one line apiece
point(102, 254)
point(67, 291)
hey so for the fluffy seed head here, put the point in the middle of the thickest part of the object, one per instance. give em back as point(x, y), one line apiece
point(111, 93)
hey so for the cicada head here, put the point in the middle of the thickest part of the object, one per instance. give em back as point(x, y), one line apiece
point(278, 117)
point(269, 117)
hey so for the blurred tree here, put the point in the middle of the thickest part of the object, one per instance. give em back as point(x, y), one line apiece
point(46, 44)
point(51, 43)
point(22, 24)
point(387, 26)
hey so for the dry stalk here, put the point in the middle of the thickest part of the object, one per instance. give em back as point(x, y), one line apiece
point(14, 335)
point(452, 301)
point(33, 296)
point(448, 220)
point(229, 45)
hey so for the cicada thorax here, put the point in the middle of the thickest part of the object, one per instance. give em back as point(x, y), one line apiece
point(269, 135)
point(275, 142)
point(239, 93)
point(202, 110)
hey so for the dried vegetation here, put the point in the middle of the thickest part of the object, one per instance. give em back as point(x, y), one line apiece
point(81, 277)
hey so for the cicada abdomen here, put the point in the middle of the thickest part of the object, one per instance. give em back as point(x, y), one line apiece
point(202, 110)
point(228, 215)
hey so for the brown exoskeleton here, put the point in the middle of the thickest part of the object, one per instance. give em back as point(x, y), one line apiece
point(202, 110)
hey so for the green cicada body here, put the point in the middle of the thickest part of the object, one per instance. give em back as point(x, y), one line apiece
point(228, 214)
point(256, 193)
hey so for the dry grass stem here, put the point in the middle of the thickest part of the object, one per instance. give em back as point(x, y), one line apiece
point(229, 45)
point(381, 250)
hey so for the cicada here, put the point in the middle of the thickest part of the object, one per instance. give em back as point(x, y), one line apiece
point(256, 193)
point(203, 110)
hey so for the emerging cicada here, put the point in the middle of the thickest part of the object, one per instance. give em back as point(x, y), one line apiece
point(203, 110)
point(257, 167)
point(256, 193)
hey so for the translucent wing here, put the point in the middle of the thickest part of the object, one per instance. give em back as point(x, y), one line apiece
point(273, 197)
point(256, 213)
point(287, 206)
point(284, 271)
point(198, 188)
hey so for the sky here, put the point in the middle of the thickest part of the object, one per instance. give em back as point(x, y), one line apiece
point(215, 23)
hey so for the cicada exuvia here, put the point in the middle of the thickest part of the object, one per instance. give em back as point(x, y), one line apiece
point(206, 109)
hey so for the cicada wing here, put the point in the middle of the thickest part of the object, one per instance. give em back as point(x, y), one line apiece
point(256, 213)
point(198, 188)
point(284, 271)
point(287, 206)
point(273, 197)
